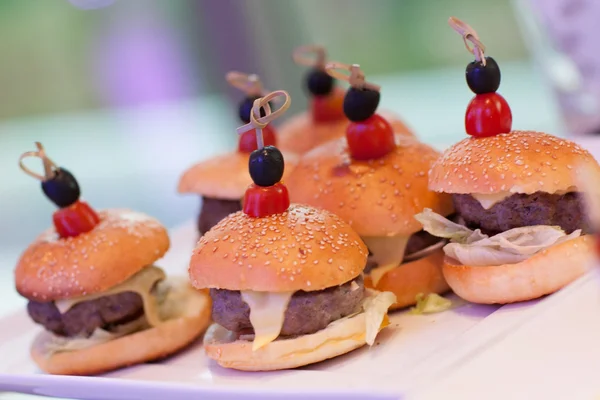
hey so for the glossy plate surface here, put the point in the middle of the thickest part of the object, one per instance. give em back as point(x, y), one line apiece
point(412, 358)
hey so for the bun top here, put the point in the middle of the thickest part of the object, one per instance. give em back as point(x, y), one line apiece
point(301, 249)
point(515, 162)
point(122, 244)
point(377, 197)
point(224, 177)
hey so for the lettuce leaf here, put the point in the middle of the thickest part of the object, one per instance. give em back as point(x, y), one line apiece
point(376, 309)
point(475, 248)
point(432, 303)
point(441, 227)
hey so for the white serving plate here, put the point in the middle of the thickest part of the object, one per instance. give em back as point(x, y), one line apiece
point(412, 358)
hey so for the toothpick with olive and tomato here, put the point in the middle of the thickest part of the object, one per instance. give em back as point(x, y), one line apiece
point(369, 135)
point(488, 113)
point(267, 195)
point(74, 216)
point(251, 86)
point(325, 100)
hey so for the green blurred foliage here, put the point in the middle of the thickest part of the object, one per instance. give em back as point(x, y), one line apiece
point(400, 35)
point(47, 45)
point(44, 65)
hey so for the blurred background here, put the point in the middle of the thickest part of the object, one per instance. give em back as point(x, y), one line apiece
point(57, 58)
point(128, 93)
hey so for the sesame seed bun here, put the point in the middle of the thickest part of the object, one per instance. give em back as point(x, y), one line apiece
point(301, 249)
point(544, 273)
point(409, 279)
point(122, 244)
point(337, 338)
point(516, 162)
point(301, 133)
point(143, 346)
point(378, 197)
point(225, 176)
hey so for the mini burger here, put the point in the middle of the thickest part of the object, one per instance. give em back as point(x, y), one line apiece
point(222, 180)
point(524, 230)
point(285, 280)
point(376, 180)
point(325, 120)
point(92, 284)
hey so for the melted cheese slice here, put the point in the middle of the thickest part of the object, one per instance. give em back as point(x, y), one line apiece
point(487, 201)
point(140, 283)
point(387, 252)
point(267, 313)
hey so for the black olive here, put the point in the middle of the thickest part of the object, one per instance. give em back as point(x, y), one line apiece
point(483, 79)
point(62, 189)
point(360, 104)
point(319, 82)
point(245, 108)
point(266, 166)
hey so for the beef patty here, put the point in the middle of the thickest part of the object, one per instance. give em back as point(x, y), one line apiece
point(307, 312)
point(539, 208)
point(214, 210)
point(83, 318)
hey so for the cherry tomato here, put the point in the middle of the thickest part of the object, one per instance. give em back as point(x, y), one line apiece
point(247, 142)
point(329, 107)
point(488, 115)
point(74, 220)
point(261, 201)
point(371, 138)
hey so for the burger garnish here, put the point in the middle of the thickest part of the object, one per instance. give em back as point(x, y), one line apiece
point(91, 280)
point(325, 119)
point(60, 187)
point(488, 112)
point(267, 195)
point(376, 181)
point(325, 100)
point(251, 86)
point(285, 280)
point(222, 189)
point(369, 135)
point(517, 193)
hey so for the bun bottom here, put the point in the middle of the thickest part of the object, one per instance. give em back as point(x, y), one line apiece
point(544, 273)
point(409, 279)
point(340, 337)
point(147, 345)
